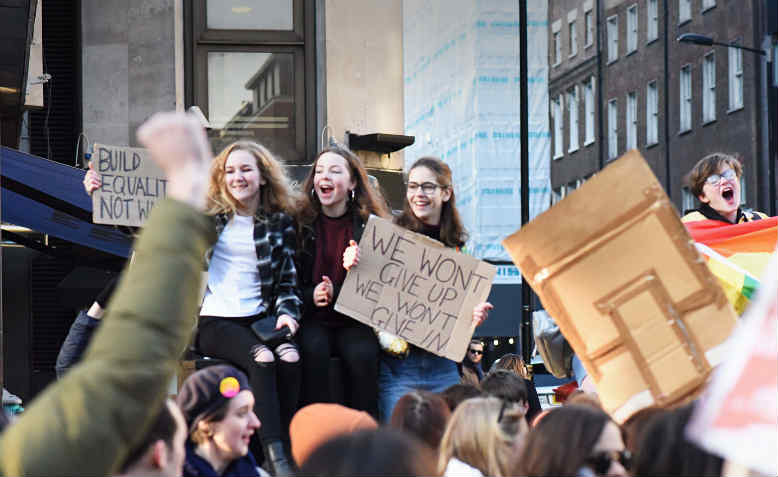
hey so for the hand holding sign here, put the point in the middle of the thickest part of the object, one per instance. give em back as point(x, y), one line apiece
point(411, 286)
point(481, 313)
point(351, 255)
point(91, 180)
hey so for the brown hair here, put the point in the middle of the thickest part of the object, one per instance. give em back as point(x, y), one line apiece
point(198, 435)
point(368, 198)
point(708, 165)
point(422, 414)
point(452, 232)
point(511, 362)
point(275, 194)
point(636, 424)
point(561, 441)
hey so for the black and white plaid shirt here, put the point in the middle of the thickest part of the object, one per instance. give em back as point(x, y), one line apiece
point(275, 241)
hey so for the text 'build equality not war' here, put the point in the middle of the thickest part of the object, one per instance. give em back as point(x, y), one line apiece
point(131, 184)
point(410, 285)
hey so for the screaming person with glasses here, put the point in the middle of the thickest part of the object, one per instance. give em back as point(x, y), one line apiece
point(715, 181)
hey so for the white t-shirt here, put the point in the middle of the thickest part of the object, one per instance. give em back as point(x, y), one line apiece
point(233, 279)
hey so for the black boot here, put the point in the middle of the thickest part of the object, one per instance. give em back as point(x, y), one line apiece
point(276, 459)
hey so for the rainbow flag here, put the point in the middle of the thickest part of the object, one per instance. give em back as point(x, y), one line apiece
point(736, 254)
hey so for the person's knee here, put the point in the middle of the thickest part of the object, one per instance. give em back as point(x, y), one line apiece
point(262, 355)
point(288, 353)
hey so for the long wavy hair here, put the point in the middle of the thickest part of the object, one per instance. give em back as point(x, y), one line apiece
point(485, 433)
point(274, 196)
point(367, 199)
point(452, 232)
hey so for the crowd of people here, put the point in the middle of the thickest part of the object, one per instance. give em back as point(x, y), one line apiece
point(276, 261)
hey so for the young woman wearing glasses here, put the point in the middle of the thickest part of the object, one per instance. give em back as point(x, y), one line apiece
point(715, 181)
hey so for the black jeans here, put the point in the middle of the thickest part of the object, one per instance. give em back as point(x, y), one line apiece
point(276, 386)
point(357, 346)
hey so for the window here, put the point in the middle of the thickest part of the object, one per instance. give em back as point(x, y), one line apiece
point(573, 38)
point(632, 120)
point(589, 111)
point(652, 20)
point(652, 114)
point(708, 4)
point(557, 48)
point(556, 113)
point(735, 79)
point(558, 194)
point(572, 110)
point(589, 27)
point(251, 63)
point(684, 11)
point(709, 88)
point(743, 183)
point(613, 129)
point(686, 98)
point(613, 38)
point(632, 28)
point(688, 201)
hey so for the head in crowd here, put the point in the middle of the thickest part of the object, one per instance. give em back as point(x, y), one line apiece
point(161, 450)
point(431, 202)
point(715, 180)
point(317, 423)
point(485, 433)
point(370, 452)
point(218, 404)
point(511, 362)
point(336, 182)
point(664, 450)
point(475, 351)
point(632, 429)
point(574, 440)
point(245, 177)
point(422, 414)
point(582, 398)
point(456, 393)
point(507, 385)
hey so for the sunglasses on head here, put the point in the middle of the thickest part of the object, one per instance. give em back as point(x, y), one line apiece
point(476, 351)
point(601, 462)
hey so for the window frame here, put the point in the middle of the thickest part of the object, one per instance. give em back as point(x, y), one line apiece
point(687, 10)
point(707, 5)
point(652, 113)
point(613, 129)
point(300, 42)
point(572, 32)
point(685, 104)
point(735, 77)
point(556, 38)
point(588, 28)
point(589, 111)
point(632, 28)
point(573, 106)
point(709, 88)
point(558, 117)
point(613, 38)
point(631, 114)
point(652, 20)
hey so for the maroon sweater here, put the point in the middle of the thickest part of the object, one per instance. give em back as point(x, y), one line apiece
point(332, 238)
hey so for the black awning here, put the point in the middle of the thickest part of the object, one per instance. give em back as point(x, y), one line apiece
point(49, 197)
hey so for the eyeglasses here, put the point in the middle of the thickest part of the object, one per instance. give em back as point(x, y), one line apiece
point(476, 351)
point(601, 462)
point(714, 179)
point(426, 187)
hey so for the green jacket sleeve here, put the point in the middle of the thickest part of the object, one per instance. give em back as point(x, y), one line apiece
point(87, 422)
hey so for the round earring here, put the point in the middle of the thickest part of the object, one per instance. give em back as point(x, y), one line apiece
point(352, 195)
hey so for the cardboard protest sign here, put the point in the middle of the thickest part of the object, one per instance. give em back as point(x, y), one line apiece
point(412, 286)
point(737, 417)
point(615, 267)
point(132, 183)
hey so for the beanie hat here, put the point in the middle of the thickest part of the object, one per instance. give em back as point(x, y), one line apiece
point(318, 423)
point(207, 390)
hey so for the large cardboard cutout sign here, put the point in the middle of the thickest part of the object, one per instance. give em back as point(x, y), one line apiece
point(413, 287)
point(615, 267)
point(132, 183)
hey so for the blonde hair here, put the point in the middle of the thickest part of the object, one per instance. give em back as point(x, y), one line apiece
point(484, 433)
point(274, 196)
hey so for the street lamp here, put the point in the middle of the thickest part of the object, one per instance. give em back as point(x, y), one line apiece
point(697, 39)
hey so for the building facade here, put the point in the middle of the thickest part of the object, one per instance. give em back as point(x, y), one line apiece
point(674, 102)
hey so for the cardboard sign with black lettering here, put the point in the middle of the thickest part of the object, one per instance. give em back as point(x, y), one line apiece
point(412, 286)
point(131, 184)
